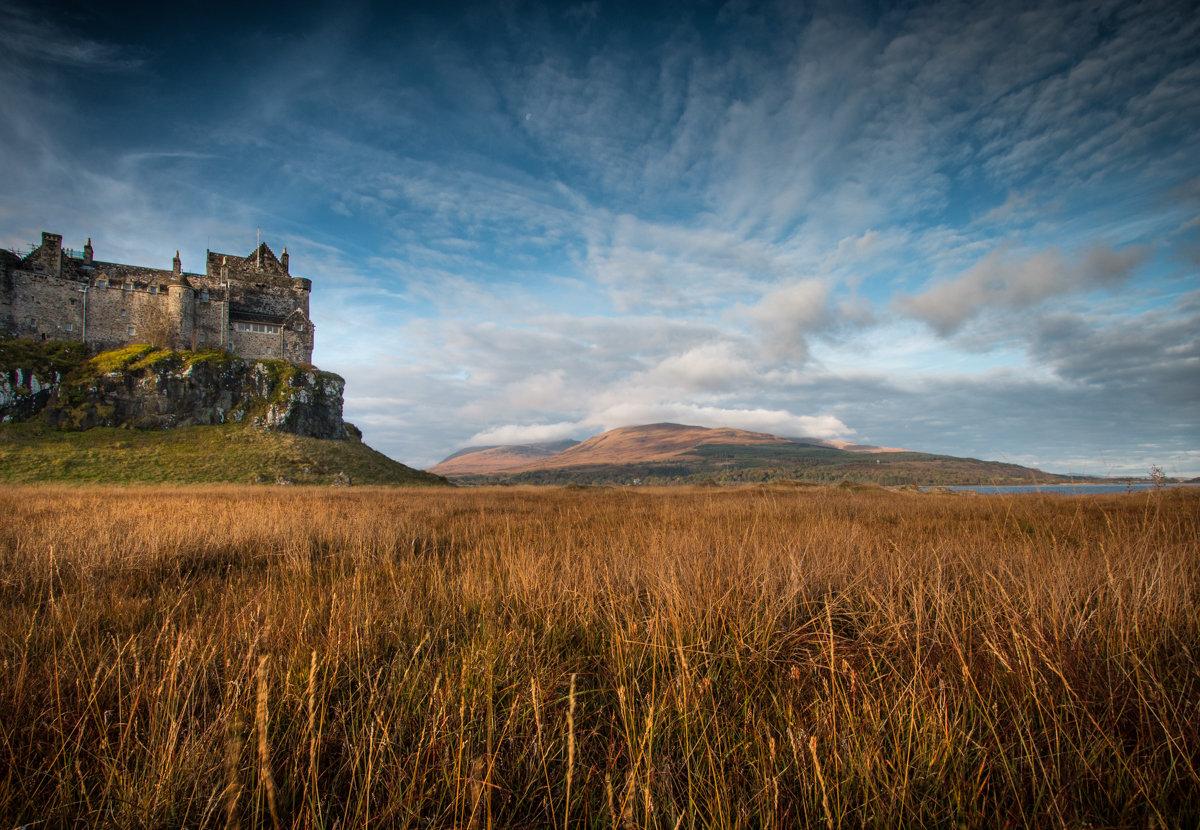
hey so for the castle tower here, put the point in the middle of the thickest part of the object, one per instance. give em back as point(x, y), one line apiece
point(302, 288)
point(181, 309)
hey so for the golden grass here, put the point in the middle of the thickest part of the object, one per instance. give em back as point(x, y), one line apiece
point(235, 656)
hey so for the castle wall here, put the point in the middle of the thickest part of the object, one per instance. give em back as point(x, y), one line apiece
point(267, 299)
point(250, 306)
point(210, 313)
point(42, 306)
point(298, 341)
point(117, 317)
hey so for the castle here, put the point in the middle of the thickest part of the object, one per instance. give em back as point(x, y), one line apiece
point(250, 306)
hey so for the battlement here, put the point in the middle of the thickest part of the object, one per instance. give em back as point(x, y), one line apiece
point(249, 305)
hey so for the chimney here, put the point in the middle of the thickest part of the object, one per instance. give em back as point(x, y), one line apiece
point(283, 260)
point(87, 252)
point(52, 253)
point(176, 265)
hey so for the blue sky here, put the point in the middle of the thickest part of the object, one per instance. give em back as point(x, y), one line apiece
point(960, 228)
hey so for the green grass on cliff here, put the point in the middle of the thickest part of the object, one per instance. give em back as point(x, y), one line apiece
point(34, 452)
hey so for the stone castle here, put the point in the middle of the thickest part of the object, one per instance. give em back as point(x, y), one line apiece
point(250, 306)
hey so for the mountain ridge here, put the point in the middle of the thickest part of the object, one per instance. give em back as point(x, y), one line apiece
point(623, 445)
point(668, 453)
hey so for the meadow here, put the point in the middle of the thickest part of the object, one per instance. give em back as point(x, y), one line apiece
point(244, 656)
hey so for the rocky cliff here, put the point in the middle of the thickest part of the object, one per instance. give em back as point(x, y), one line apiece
point(143, 387)
point(30, 374)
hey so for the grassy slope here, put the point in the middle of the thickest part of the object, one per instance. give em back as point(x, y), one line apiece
point(33, 452)
point(733, 463)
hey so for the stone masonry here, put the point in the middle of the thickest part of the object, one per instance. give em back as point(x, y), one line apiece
point(250, 306)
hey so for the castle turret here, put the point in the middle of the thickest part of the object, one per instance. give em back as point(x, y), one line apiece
point(180, 306)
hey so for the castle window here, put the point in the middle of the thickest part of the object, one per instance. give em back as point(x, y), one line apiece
point(37, 269)
point(268, 351)
point(154, 289)
point(129, 331)
point(70, 327)
point(128, 286)
point(204, 296)
point(122, 312)
point(201, 337)
point(32, 323)
point(102, 283)
point(259, 328)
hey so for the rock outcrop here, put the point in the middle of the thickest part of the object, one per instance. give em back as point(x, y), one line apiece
point(30, 374)
point(148, 388)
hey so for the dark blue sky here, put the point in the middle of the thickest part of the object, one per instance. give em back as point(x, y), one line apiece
point(952, 227)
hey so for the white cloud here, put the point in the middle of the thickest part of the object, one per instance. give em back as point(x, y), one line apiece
point(523, 434)
point(708, 368)
point(545, 390)
point(774, 421)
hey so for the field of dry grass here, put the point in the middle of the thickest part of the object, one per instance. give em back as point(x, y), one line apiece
point(233, 656)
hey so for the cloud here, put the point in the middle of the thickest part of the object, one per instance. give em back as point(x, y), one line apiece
point(1153, 356)
point(545, 390)
point(775, 422)
point(709, 368)
point(789, 315)
point(28, 37)
point(998, 282)
point(523, 434)
point(1014, 206)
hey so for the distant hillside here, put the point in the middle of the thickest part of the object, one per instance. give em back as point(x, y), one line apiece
point(617, 446)
point(680, 454)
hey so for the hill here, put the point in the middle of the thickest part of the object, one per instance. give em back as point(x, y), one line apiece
point(617, 446)
point(143, 414)
point(680, 454)
point(35, 452)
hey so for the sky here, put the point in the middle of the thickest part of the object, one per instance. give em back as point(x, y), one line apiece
point(960, 228)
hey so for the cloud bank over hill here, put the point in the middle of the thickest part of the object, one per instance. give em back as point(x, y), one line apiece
point(964, 229)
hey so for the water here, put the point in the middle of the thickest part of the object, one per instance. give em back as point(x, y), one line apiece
point(1061, 489)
